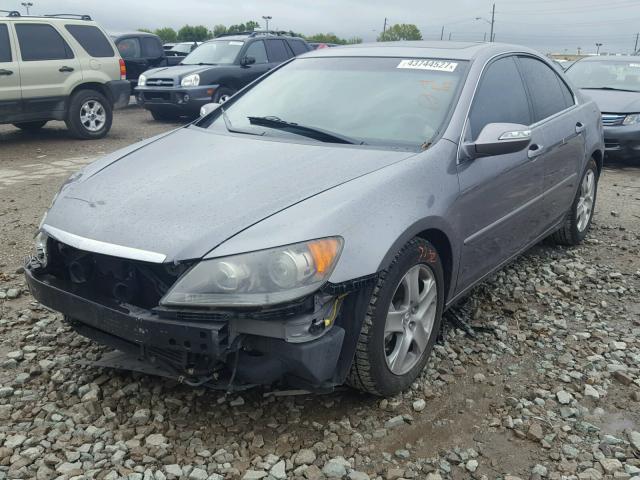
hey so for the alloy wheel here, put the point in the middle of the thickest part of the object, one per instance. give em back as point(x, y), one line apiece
point(92, 115)
point(584, 207)
point(410, 319)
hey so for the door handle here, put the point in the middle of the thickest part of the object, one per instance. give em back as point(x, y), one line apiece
point(580, 128)
point(65, 69)
point(5, 72)
point(535, 150)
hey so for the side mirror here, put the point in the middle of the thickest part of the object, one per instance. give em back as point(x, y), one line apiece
point(499, 139)
point(207, 108)
point(246, 61)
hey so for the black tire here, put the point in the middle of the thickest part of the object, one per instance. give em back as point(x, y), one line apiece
point(569, 233)
point(74, 122)
point(222, 95)
point(164, 116)
point(370, 371)
point(30, 126)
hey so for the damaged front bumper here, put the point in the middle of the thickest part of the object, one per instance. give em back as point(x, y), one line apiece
point(295, 347)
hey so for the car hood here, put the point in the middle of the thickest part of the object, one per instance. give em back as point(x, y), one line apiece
point(187, 192)
point(177, 71)
point(612, 101)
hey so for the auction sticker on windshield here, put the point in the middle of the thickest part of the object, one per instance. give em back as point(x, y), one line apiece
point(235, 43)
point(436, 65)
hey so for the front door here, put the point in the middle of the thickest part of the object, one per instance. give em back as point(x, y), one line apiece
point(10, 95)
point(499, 195)
point(48, 69)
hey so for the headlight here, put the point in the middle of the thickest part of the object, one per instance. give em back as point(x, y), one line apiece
point(632, 119)
point(42, 254)
point(191, 80)
point(265, 277)
point(142, 80)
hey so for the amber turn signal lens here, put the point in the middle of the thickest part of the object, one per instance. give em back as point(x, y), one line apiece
point(324, 252)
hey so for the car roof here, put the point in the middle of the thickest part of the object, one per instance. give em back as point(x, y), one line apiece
point(61, 18)
point(132, 34)
point(611, 58)
point(421, 49)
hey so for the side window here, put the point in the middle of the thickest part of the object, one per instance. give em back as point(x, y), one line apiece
point(257, 51)
point(500, 98)
point(5, 45)
point(277, 51)
point(548, 92)
point(298, 47)
point(151, 48)
point(39, 41)
point(129, 48)
point(91, 39)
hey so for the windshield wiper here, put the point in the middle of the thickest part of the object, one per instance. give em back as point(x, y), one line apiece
point(232, 129)
point(609, 88)
point(200, 63)
point(311, 132)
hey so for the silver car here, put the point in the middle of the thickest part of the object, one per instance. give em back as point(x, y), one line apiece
point(312, 230)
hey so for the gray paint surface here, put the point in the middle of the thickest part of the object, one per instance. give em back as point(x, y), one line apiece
point(195, 193)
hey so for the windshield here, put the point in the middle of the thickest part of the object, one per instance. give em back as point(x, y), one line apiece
point(216, 52)
point(622, 75)
point(182, 47)
point(377, 101)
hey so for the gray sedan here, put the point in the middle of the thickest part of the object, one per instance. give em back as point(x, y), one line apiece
point(312, 230)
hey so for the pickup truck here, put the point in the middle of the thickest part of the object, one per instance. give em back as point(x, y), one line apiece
point(142, 51)
point(214, 72)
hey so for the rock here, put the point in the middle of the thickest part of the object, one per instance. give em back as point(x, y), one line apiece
point(395, 422)
point(156, 440)
point(479, 378)
point(433, 476)
point(6, 392)
point(634, 439)
point(173, 470)
point(69, 469)
point(237, 402)
point(394, 474)
point(610, 465)
point(278, 471)
point(591, 392)
point(13, 293)
point(198, 474)
point(563, 397)
point(304, 456)
point(16, 355)
point(419, 405)
point(622, 377)
point(355, 475)
point(254, 475)
point(141, 416)
point(472, 465)
point(535, 432)
point(14, 441)
point(590, 474)
point(334, 468)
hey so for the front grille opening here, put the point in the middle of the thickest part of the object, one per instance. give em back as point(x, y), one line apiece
point(117, 280)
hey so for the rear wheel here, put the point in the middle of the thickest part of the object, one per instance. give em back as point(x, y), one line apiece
point(402, 322)
point(90, 115)
point(30, 126)
point(578, 220)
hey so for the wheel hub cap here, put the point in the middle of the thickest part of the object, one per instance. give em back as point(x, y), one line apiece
point(410, 319)
point(92, 115)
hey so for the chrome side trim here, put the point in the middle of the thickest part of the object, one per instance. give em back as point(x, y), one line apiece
point(104, 248)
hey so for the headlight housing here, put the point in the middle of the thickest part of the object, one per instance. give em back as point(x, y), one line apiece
point(41, 251)
point(632, 119)
point(142, 80)
point(265, 277)
point(192, 80)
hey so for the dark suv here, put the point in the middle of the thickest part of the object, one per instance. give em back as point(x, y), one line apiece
point(213, 72)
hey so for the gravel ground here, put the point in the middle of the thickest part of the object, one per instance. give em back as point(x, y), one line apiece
point(546, 386)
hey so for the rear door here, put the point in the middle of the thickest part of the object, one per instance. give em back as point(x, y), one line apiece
point(49, 69)
point(258, 51)
point(562, 124)
point(499, 195)
point(10, 95)
point(277, 51)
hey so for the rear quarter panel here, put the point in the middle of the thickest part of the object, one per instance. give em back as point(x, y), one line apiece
point(99, 70)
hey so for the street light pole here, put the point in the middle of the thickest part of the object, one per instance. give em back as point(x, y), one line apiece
point(266, 18)
point(27, 5)
point(598, 45)
point(493, 21)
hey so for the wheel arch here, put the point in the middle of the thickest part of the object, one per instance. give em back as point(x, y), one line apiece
point(598, 156)
point(95, 86)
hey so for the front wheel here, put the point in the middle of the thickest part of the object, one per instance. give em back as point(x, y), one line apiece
point(576, 225)
point(402, 322)
point(222, 95)
point(90, 115)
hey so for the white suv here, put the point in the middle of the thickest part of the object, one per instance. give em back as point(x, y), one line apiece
point(60, 67)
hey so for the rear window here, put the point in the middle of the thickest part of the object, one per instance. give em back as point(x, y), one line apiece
point(91, 39)
point(298, 47)
point(39, 41)
point(151, 47)
point(129, 48)
point(277, 51)
point(5, 46)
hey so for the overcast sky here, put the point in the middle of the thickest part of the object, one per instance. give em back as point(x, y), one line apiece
point(549, 25)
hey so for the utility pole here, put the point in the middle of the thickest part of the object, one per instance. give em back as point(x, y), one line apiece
point(485, 37)
point(384, 28)
point(493, 21)
point(442, 34)
point(635, 49)
point(449, 35)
